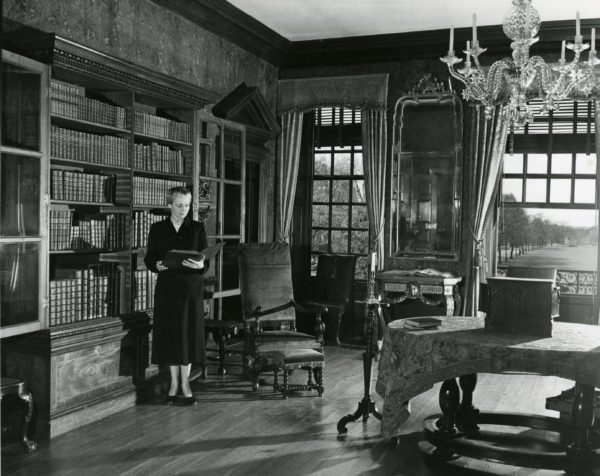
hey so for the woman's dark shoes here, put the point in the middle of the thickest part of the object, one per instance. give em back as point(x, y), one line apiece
point(170, 400)
point(189, 401)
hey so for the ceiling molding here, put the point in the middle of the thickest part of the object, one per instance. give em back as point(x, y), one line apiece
point(227, 21)
point(420, 45)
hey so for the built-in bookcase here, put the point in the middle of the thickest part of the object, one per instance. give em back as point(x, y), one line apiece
point(88, 170)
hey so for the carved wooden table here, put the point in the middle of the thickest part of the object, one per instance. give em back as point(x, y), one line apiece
point(412, 361)
point(13, 386)
point(433, 290)
point(221, 331)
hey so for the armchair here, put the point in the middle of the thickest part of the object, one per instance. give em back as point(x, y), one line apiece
point(333, 289)
point(269, 309)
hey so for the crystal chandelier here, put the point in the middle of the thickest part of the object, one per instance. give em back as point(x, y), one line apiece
point(514, 82)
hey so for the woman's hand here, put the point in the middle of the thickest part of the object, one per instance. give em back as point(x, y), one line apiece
point(193, 263)
point(160, 266)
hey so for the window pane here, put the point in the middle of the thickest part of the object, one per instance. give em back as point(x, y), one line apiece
point(339, 241)
point(231, 269)
point(19, 196)
point(560, 190)
point(358, 164)
point(535, 190)
point(339, 216)
point(585, 164)
point(20, 107)
point(320, 241)
point(512, 190)
point(320, 215)
point(233, 154)
point(322, 164)
point(561, 163)
point(513, 164)
point(585, 191)
point(341, 191)
point(19, 283)
point(358, 191)
point(360, 242)
point(341, 164)
point(321, 191)
point(360, 218)
point(537, 163)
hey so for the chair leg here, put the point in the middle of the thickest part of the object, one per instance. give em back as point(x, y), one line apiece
point(255, 374)
point(275, 378)
point(285, 384)
point(318, 371)
point(310, 380)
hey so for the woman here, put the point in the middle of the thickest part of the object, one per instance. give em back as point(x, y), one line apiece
point(178, 336)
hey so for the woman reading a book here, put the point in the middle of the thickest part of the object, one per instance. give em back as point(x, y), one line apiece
point(174, 252)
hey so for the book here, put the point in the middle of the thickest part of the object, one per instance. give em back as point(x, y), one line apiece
point(174, 258)
point(422, 323)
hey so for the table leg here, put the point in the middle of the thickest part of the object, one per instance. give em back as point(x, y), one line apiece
point(449, 401)
point(582, 419)
point(220, 336)
point(28, 445)
point(467, 413)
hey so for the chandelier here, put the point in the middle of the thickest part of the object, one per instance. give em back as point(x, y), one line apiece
point(514, 82)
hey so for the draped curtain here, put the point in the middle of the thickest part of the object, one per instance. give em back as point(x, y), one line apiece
point(287, 166)
point(296, 96)
point(488, 142)
point(374, 139)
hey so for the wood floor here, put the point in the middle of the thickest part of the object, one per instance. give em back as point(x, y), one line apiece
point(234, 431)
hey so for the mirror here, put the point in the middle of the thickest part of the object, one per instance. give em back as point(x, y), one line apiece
point(426, 176)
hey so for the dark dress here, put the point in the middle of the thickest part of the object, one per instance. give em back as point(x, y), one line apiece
point(178, 336)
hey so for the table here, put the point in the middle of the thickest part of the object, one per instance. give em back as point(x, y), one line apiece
point(14, 386)
point(413, 361)
point(221, 331)
point(431, 289)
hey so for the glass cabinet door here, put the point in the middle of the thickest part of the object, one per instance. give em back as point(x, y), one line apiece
point(23, 164)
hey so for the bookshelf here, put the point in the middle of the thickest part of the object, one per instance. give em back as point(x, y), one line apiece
point(113, 138)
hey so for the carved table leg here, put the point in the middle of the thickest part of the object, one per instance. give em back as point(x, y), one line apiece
point(318, 372)
point(449, 400)
point(467, 413)
point(28, 445)
point(285, 384)
point(220, 337)
point(582, 418)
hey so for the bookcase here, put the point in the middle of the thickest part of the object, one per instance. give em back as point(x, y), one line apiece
point(114, 137)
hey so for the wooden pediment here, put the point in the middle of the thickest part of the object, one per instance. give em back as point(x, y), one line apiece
point(246, 105)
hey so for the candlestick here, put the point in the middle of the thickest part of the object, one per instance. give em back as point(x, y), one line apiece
point(577, 26)
point(593, 39)
point(474, 29)
point(373, 261)
point(451, 47)
point(562, 51)
point(468, 52)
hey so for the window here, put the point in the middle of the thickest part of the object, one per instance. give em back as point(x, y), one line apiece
point(548, 215)
point(339, 210)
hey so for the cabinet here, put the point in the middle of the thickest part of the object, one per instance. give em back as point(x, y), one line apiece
point(107, 140)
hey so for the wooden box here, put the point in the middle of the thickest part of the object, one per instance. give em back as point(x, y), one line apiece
point(521, 306)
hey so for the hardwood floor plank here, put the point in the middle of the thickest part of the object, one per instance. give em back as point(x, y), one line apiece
point(235, 431)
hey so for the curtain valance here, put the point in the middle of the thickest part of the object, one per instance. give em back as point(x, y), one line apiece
point(367, 91)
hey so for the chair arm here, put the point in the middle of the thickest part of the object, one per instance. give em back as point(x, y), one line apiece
point(313, 309)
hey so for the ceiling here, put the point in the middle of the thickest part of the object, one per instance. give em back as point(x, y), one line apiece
point(299, 20)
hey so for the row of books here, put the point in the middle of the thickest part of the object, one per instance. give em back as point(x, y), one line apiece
point(145, 282)
point(107, 231)
point(86, 147)
point(142, 220)
point(161, 127)
point(152, 191)
point(82, 186)
point(80, 294)
point(158, 158)
point(69, 100)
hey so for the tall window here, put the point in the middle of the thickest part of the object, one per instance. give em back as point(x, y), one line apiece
point(339, 211)
point(548, 215)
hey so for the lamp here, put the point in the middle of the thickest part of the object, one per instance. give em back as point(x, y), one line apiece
point(513, 82)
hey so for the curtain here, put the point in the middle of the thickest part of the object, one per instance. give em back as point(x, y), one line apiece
point(488, 142)
point(287, 166)
point(374, 139)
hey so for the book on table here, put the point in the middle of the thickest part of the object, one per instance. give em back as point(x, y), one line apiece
point(175, 258)
point(422, 323)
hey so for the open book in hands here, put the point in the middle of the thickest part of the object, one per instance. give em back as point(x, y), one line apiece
point(175, 258)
